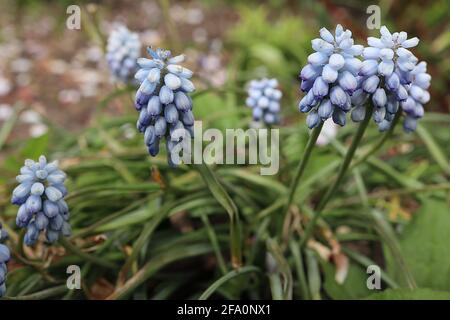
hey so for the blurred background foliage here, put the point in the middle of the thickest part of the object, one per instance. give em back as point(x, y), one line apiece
point(143, 230)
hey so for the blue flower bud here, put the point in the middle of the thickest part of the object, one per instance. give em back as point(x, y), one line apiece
point(154, 75)
point(410, 124)
point(172, 81)
point(313, 119)
point(339, 117)
point(187, 118)
point(379, 98)
point(147, 87)
point(56, 222)
point(348, 82)
point(153, 148)
point(402, 93)
point(153, 108)
point(4, 253)
point(187, 85)
point(182, 101)
point(385, 68)
point(392, 104)
point(338, 97)
point(370, 84)
point(325, 109)
point(317, 58)
point(51, 209)
point(144, 117)
point(52, 235)
point(368, 68)
point(171, 113)
point(23, 216)
point(336, 61)
point(309, 72)
point(329, 74)
point(33, 203)
point(384, 125)
point(379, 114)
point(320, 88)
point(160, 127)
point(149, 135)
point(358, 114)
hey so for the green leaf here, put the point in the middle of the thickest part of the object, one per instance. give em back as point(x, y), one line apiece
point(354, 286)
point(230, 275)
point(424, 244)
point(407, 294)
point(434, 149)
point(221, 195)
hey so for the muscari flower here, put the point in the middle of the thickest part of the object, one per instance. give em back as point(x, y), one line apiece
point(40, 197)
point(123, 49)
point(386, 77)
point(4, 258)
point(264, 98)
point(163, 101)
point(330, 77)
point(418, 95)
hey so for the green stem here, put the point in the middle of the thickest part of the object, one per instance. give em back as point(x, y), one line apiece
point(300, 170)
point(95, 260)
point(174, 37)
point(298, 261)
point(41, 295)
point(342, 171)
point(214, 243)
point(380, 143)
point(227, 277)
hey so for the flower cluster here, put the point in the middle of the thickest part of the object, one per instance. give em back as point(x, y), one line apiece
point(163, 101)
point(123, 49)
point(40, 195)
point(264, 99)
point(389, 77)
point(387, 72)
point(330, 77)
point(418, 96)
point(4, 257)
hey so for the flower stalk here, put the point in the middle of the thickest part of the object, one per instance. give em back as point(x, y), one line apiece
point(300, 170)
point(342, 171)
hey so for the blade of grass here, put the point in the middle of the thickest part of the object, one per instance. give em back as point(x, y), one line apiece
point(433, 148)
point(214, 243)
point(220, 194)
point(155, 264)
point(227, 277)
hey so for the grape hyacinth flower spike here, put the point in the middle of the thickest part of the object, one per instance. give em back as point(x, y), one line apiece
point(40, 197)
point(418, 95)
point(4, 258)
point(163, 101)
point(330, 77)
point(264, 98)
point(386, 79)
point(123, 50)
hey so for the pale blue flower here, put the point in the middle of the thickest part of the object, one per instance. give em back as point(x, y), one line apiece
point(330, 77)
point(122, 50)
point(163, 100)
point(40, 197)
point(264, 98)
point(387, 74)
point(4, 258)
